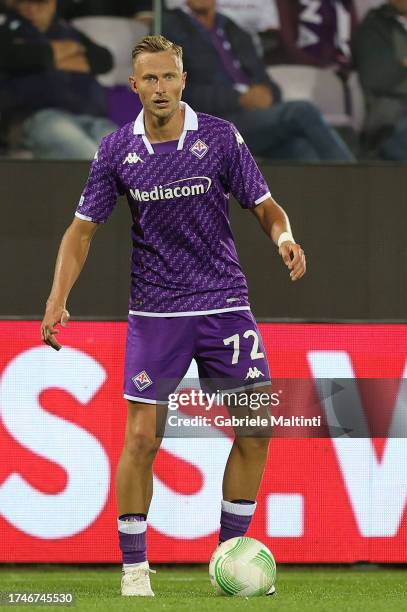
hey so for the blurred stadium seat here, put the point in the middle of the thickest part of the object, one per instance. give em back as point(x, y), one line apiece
point(325, 89)
point(358, 102)
point(119, 35)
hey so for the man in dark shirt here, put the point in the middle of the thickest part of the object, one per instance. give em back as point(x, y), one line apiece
point(381, 57)
point(228, 79)
point(48, 84)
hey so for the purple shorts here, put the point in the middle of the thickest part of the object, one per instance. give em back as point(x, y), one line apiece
point(227, 347)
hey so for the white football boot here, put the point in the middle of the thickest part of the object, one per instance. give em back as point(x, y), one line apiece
point(271, 591)
point(136, 581)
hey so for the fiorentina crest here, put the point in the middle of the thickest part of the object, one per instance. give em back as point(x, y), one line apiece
point(142, 380)
point(199, 149)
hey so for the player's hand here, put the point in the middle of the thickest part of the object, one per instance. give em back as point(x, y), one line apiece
point(257, 96)
point(294, 258)
point(77, 63)
point(53, 316)
point(65, 48)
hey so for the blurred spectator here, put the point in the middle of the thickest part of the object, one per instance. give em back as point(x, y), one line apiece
point(5, 6)
point(255, 16)
point(48, 85)
point(317, 33)
point(364, 6)
point(144, 12)
point(71, 9)
point(228, 79)
point(381, 55)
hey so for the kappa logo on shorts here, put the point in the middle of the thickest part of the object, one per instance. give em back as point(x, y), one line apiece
point(199, 149)
point(253, 373)
point(142, 380)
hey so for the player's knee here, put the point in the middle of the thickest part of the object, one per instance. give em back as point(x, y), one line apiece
point(141, 447)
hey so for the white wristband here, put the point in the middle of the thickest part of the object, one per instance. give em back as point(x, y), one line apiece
point(283, 237)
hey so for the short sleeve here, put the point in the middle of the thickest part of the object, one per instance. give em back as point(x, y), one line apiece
point(100, 194)
point(243, 177)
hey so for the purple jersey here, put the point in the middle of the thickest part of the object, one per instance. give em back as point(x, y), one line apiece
point(184, 257)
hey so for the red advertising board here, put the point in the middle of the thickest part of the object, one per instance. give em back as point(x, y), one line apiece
point(324, 500)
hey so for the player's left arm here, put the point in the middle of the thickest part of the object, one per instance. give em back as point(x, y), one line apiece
point(275, 223)
point(245, 181)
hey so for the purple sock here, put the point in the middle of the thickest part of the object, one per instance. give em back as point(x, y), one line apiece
point(132, 537)
point(235, 518)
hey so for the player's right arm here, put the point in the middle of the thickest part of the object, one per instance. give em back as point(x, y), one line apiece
point(97, 202)
point(71, 257)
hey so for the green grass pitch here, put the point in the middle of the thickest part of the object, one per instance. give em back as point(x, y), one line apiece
point(313, 589)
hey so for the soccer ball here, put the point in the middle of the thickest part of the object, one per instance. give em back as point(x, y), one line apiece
point(243, 567)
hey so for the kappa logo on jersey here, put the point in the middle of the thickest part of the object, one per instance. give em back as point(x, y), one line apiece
point(253, 373)
point(133, 158)
point(175, 189)
point(199, 149)
point(142, 380)
point(239, 137)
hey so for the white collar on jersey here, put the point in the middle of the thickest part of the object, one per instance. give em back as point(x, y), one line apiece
point(190, 124)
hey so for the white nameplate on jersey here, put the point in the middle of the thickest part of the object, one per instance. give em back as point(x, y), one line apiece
point(142, 380)
point(199, 149)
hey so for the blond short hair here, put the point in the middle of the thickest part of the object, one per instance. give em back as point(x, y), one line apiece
point(155, 44)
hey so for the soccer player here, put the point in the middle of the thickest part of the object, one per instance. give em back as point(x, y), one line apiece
point(189, 296)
